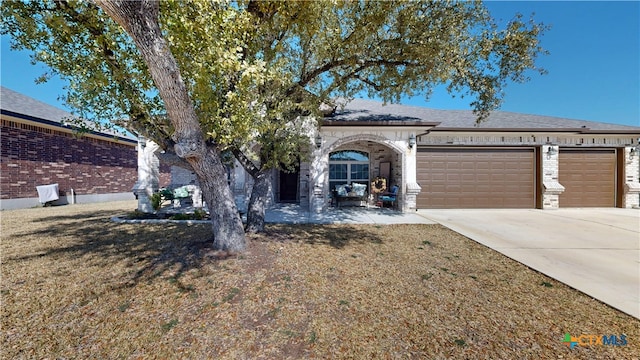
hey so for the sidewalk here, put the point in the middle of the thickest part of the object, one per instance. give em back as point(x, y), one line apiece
point(294, 214)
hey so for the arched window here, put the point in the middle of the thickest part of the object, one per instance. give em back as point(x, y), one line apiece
point(348, 166)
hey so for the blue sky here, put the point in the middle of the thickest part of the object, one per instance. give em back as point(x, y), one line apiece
point(593, 65)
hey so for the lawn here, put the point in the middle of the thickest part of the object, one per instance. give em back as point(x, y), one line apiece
point(76, 285)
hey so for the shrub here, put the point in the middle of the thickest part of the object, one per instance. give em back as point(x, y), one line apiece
point(181, 217)
point(199, 214)
point(156, 201)
point(159, 197)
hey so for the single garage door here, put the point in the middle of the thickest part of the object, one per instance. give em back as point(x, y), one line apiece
point(476, 178)
point(588, 177)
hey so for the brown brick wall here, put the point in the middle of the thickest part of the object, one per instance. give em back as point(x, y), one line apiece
point(33, 155)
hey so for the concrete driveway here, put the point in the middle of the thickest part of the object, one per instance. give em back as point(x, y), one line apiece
point(594, 250)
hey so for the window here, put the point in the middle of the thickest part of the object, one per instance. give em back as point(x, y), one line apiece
point(348, 166)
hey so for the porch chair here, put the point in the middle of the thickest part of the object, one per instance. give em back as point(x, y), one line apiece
point(390, 197)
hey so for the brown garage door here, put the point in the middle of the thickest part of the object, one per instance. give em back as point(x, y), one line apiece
point(476, 178)
point(588, 177)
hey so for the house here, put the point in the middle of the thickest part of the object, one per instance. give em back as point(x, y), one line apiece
point(444, 159)
point(38, 148)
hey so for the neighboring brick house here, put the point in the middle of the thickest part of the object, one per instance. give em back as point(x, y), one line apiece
point(443, 159)
point(39, 149)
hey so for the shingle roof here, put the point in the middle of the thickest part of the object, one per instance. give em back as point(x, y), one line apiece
point(15, 103)
point(369, 110)
point(21, 104)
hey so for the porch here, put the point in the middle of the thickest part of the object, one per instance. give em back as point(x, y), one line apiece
point(296, 214)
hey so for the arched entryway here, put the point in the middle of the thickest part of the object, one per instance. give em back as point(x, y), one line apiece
point(360, 160)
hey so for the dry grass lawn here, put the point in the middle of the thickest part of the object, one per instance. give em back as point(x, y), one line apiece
point(76, 285)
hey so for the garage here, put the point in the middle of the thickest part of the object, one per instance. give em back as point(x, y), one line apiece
point(588, 176)
point(476, 178)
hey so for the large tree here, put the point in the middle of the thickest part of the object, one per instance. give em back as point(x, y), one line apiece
point(239, 76)
point(384, 48)
point(141, 21)
point(124, 71)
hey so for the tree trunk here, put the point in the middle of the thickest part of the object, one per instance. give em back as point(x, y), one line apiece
point(225, 218)
point(140, 21)
point(259, 193)
point(258, 201)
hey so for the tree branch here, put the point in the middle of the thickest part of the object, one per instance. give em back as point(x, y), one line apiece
point(139, 121)
point(307, 78)
point(363, 64)
point(375, 86)
point(140, 21)
point(246, 163)
point(170, 158)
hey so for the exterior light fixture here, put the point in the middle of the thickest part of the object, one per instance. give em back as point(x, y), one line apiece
point(318, 141)
point(143, 142)
point(632, 153)
point(551, 152)
point(412, 141)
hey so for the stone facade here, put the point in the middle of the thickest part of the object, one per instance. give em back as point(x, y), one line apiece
point(392, 134)
point(392, 146)
point(181, 177)
point(551, 187)
point(389, 145)
point(631, 197)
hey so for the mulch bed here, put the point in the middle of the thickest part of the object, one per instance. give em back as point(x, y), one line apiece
point(76, 285)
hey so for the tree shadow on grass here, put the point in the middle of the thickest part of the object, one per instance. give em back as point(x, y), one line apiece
point(80, 216)
point(147, 250)
point(143, 252)
point(335, 236)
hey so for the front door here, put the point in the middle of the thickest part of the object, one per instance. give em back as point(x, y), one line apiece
point(289, 185)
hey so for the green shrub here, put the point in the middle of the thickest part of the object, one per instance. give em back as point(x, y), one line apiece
point(199, 214)
point(139, 215)
point(156, 201)
point(181, 217)
point(159, 197)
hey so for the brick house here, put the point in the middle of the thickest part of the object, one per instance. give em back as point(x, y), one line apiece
point(39, 149)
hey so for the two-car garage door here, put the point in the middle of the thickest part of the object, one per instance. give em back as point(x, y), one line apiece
point(466, 178)
point(476, 178)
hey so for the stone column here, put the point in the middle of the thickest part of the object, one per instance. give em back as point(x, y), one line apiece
point(305, 175)
point(148, 174)
point(241, 192)
point(631, 198)
point(551, 188)
point(411, 197)
point(318, 184)
point(412, 189)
